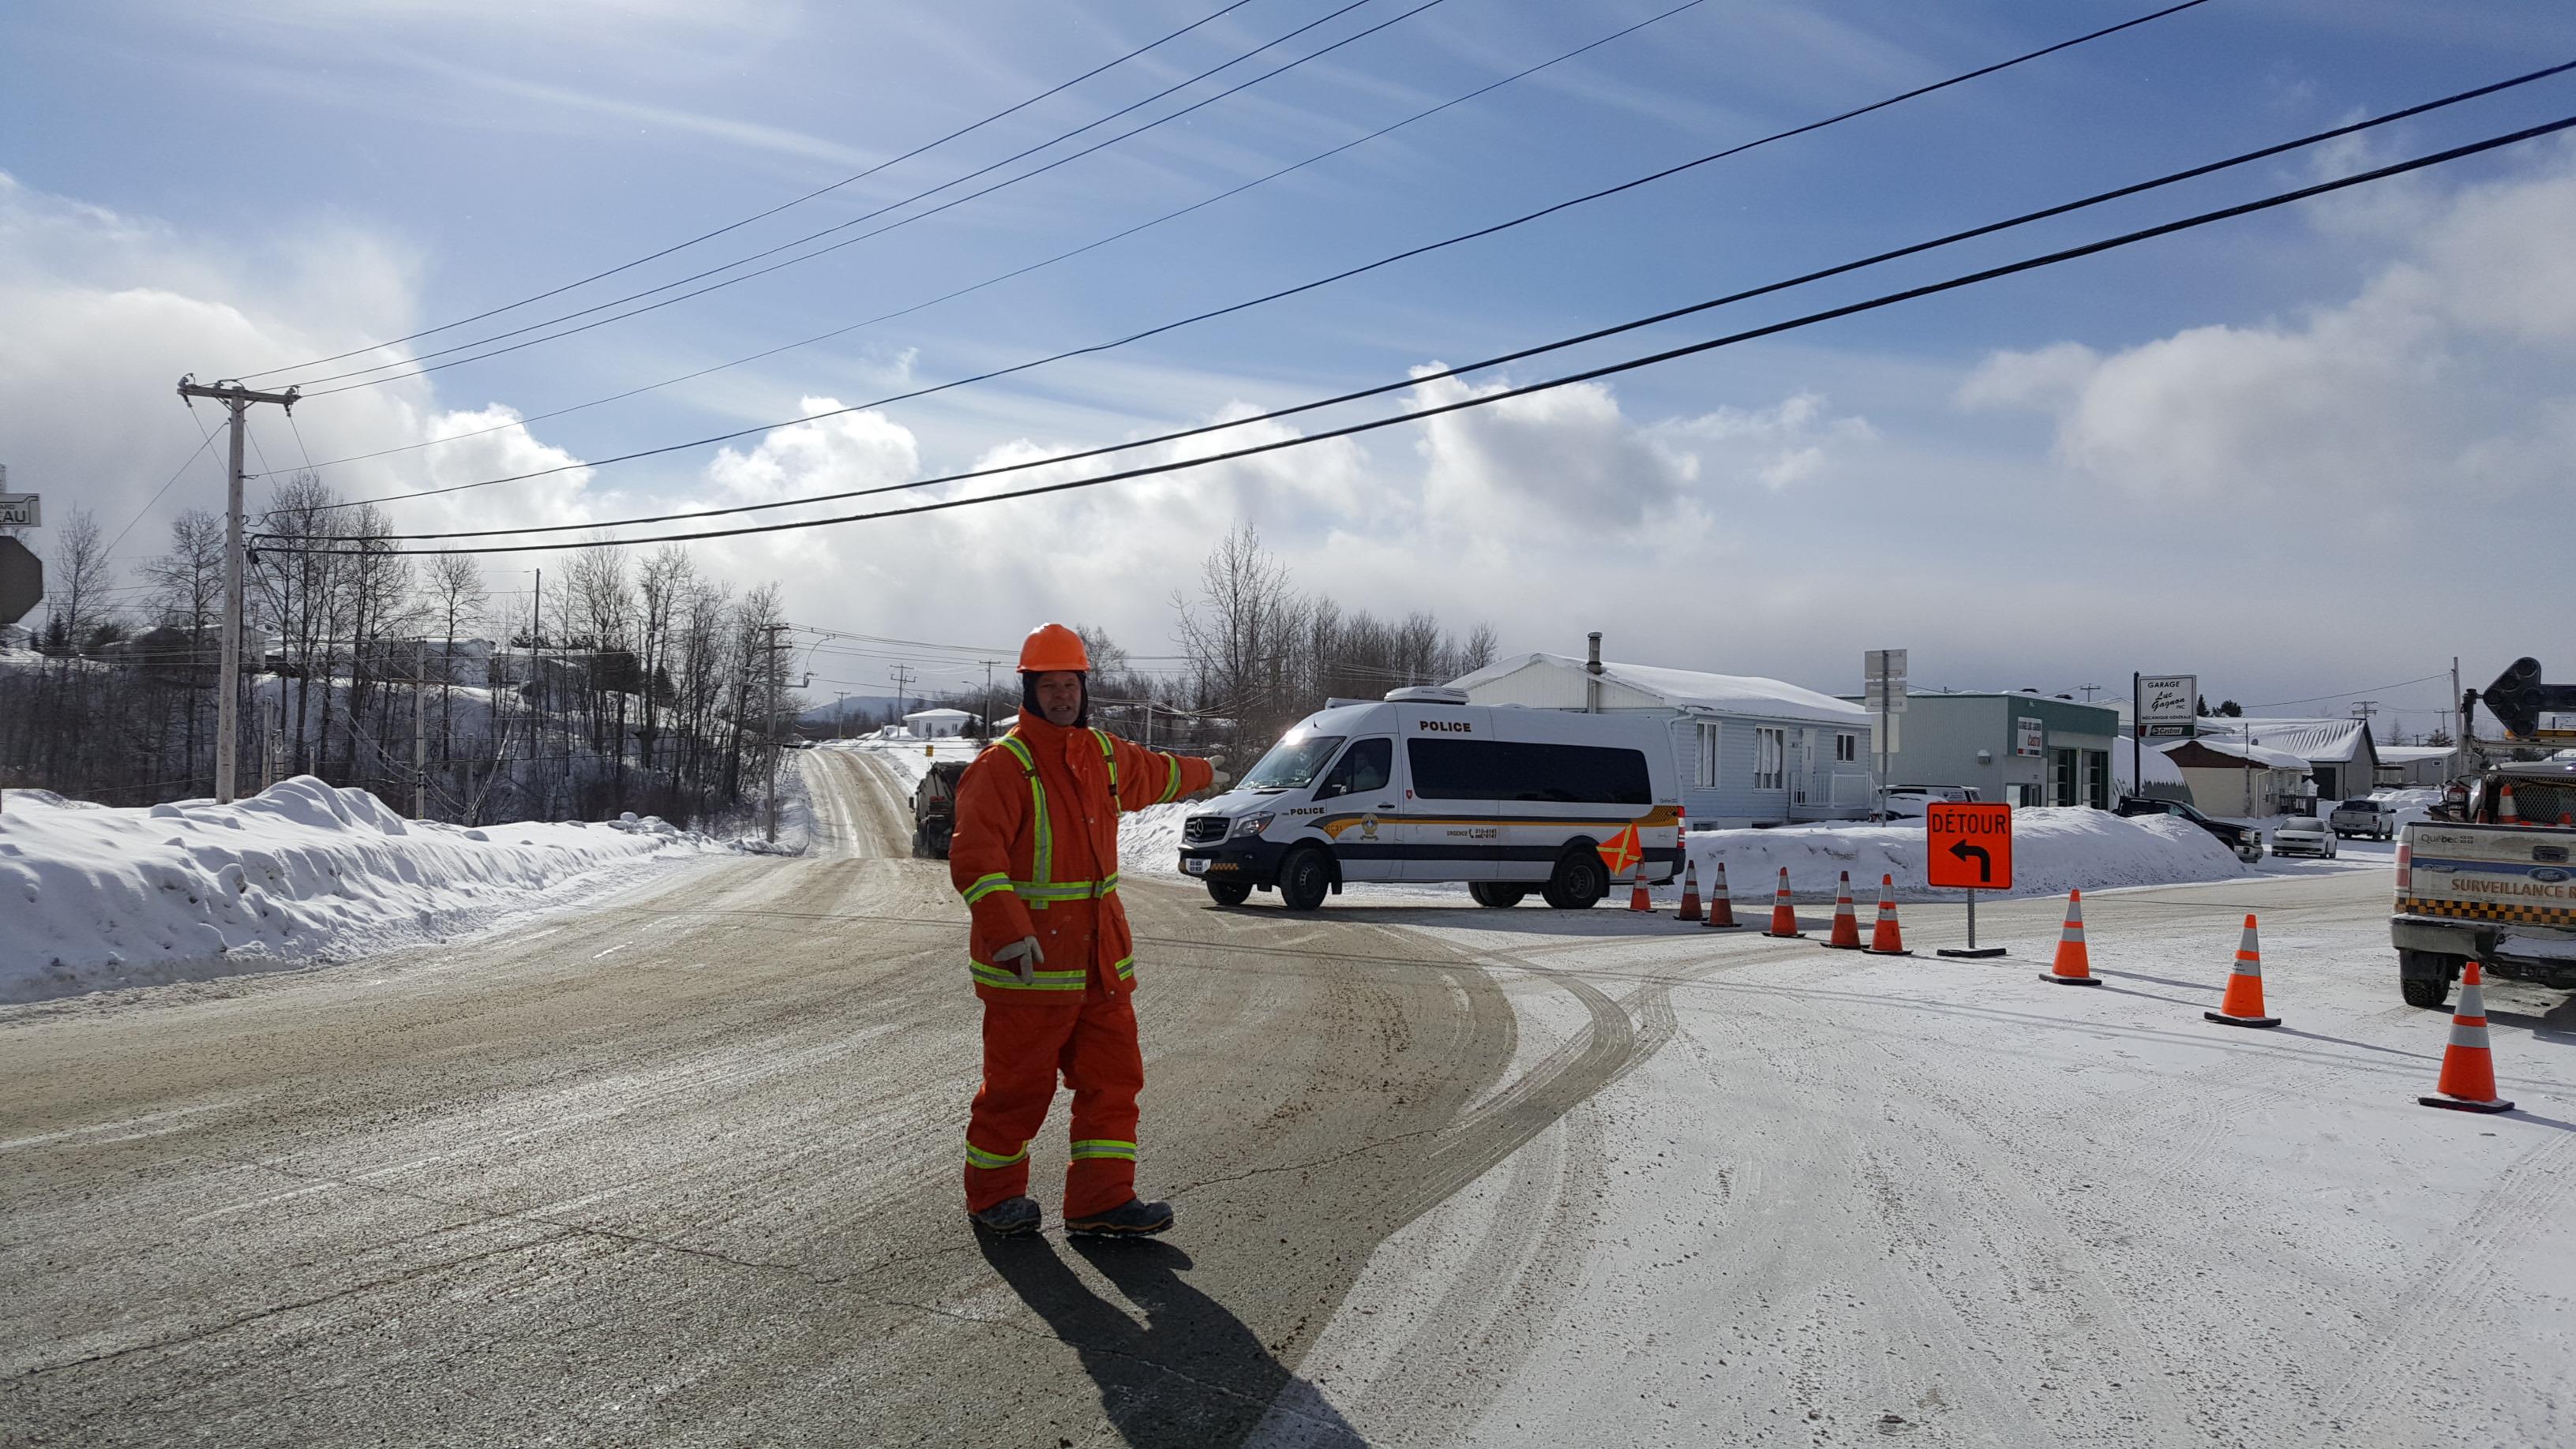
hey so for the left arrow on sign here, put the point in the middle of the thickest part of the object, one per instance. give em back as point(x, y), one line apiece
point(1960, 850)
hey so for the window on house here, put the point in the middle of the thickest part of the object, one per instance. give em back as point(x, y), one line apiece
point(1846, 748)
point(1707, 773)
point(1770, 756)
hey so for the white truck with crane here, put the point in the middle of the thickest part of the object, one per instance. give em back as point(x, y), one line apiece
point(2492, 876)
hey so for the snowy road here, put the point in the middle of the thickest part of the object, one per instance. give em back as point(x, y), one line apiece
point(682, 1171)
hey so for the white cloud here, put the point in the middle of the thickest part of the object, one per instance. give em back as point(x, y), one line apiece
point(2445, 377)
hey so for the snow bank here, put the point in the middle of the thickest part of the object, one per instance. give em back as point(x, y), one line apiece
point(97, 897)
point(2055, 850)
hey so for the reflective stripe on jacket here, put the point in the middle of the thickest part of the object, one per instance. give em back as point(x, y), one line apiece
point(1035, 853)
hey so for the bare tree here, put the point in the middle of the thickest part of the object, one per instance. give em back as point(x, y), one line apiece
point(76, 585)
point(459, 596)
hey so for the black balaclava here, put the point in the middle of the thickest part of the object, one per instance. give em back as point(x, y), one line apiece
point(1029, 700)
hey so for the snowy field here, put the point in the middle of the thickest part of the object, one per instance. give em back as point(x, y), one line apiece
point(99, 898)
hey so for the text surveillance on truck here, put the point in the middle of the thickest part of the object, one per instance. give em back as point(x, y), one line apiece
point(2492, 877)
point(1424, 787)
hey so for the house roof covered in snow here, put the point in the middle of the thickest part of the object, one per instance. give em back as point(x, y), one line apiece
point(1687, 689)
point(937, 714)
point(2317, 741)
point(2263, 755)
point(2404, 754)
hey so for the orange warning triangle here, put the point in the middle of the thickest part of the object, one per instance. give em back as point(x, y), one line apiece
point(1622, 851)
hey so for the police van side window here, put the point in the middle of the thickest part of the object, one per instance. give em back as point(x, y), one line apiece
point(1493, 770)
point(1363, 767)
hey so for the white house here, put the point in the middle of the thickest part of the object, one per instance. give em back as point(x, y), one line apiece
point(1750, 751)
point(937, 724)
point(2231, 778)
point(2417, 766)
point(2341, 756)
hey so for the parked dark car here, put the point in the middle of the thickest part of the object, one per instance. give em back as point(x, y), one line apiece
point(2245, 840)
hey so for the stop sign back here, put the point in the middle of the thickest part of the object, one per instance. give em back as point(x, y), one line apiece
point(22, 580)
point(1969, 846)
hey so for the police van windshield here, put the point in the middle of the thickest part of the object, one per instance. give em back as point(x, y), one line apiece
point(1293, 762)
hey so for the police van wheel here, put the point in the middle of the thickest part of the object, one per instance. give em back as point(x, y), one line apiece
point(1495, 895)
point(1579, 881)
point(1305, 877)
point(1230, 892)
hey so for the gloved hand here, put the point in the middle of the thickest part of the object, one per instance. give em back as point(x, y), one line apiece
point(1217, 777)
point(1022, 956)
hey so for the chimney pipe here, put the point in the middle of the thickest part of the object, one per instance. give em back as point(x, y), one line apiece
point(1592, 676)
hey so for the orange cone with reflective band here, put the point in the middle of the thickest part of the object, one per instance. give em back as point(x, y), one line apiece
point(2243, 1003)
point(2505, 813)
point(1690, 891)
point(2468, 1068)
point(1884, 938)
point(1721, 903)
point(1784, 917)
point(1637, 898)
point(1846, 936)
point(2072, 967)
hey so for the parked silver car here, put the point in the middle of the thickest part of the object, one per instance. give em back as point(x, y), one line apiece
point(2300, 836)
point(2375, 819)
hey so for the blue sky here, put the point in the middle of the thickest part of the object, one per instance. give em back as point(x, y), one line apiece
point(2165, 454)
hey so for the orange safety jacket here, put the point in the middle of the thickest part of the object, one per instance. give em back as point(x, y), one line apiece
point(1035, 853)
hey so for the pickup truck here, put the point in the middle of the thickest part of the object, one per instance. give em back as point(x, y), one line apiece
point(2476, 884)
point(2376, 819)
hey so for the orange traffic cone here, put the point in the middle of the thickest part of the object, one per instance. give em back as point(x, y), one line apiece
point(1846, 936)
point(1690, 891)
point(1784, 917)
point(2505, 813)
point(1637, 898)
point(1721, 903)
point(1884, 938)
point(2072, 966)
point(2468, 1068)
point(2243, 1003)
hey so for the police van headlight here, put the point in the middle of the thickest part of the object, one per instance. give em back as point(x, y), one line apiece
point(1253, 824)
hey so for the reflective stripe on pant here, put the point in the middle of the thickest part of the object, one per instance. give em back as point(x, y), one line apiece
point(1093, 1047)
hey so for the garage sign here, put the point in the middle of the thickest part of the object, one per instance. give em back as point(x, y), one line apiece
point(1970, 845)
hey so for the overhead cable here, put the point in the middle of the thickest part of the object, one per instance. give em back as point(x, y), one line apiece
point(311, 388)
point(1302, 287)
point(1888, 299)
point(1089, 246)
point(758, 215)
point(1486, 364)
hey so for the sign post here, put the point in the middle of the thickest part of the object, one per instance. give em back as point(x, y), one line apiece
point(1882, 673)
point(1968, 846)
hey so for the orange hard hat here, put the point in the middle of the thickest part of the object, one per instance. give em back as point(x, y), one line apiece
point(1051, 647)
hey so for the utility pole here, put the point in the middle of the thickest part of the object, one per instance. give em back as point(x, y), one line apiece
point(236, 400)
point(985, 726)
point(2090, 690)
point(420, 730)
point(2363, 709)
point(769, 660)
point(902, 704)
point(2459, 723)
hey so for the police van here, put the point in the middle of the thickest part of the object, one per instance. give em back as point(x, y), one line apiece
point(1423, 787)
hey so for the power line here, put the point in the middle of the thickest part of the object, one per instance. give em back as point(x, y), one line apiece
point(1062, 256)
point(862, 217)
point(760, 215)
point(1607, 370)
point(1412, 381)
point(1302, 287)
point(154, 501)
point(2349, 693)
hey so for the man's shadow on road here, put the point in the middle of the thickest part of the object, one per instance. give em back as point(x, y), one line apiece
point(1194, 1375)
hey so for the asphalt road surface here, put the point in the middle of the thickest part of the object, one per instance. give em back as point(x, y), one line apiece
point(682, 1168)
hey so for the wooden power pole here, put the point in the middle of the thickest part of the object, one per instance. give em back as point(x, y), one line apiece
point(236, 400)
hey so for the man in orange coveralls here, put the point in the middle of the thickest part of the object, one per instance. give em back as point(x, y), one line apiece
point(1035, 854)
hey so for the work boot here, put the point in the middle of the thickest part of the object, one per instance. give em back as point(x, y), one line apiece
point(1009, 1218)
point(1130, 1219)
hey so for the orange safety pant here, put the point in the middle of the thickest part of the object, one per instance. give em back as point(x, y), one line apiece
point(1025, 1047)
